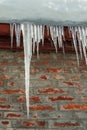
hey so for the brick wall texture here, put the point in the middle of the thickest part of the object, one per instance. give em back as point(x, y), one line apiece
point(58, 92)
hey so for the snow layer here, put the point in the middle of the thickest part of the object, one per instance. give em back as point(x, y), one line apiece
point(44, 11)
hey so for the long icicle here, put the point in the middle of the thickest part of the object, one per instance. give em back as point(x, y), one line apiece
point(18, 33)
point(12, 33)
point(79, 41)
point(84, 44)
point(75, 43)
point(27, 53)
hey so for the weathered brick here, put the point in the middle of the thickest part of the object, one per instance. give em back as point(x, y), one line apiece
point(84, 99)
point(3, 106)
point(9, 107)
point(28, 123)
point(74, 107)
point(41, 123)
point(66, 124)
point(2, 69)
point(53, 70)
point(69, 83)
point(13, 115)
point(41, 108)
point(41, 63)
point(5, 77)
point(44, 77)
point(5, 63)
point(51, 91)
point(61, 98)
point(12, 84)
point(5, 124)
point(1, 83)
point(33, 98)
point(3, 99)
point(58, 77)
point(17, 91)
point(34, 70)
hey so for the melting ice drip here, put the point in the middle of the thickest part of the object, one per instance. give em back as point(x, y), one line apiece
point(33, 34)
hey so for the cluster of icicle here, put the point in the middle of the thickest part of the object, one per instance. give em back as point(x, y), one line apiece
point(33, 34)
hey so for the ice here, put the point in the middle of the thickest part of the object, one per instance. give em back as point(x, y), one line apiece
point(79, 42)
point(53, 36)
point(84, 43)
point(17, 33)
point(27, 40)
point(38, 40)
point(12, 33)
point(75, 43)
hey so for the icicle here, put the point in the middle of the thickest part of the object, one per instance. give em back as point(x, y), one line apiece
point(42, 35)
point(11, 33)
point(33, 39)
point(38, 40)
point(63, 38)
point(17, 33)
point(48, 31)
point(75, 43)
point(60, 37)
point(27, 40)
point(79, 41)
point(62, 31)
point(53, 36)
point(86, 35)
point(84, 43)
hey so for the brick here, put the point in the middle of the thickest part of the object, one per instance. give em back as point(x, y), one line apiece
point(33, 98)
point(3, 99)
point(5, 77)
point(41, 123)
point(2, 106)
point(61, 98)
point(5, 124)
point(75, 78)
point(21, 56)
point(41, 108)
point(84, 99)
point(41, 63)
point(1, 83)
point(12, 84)
point(1, 69)
point(17, 91)
point(5, 63)
point(53, 70)
point(51, 91)
point(0, 115)
point(34, 70)
point(66, 124)
point(72, 83)
point(74, 107)
point(58, 77)
point(69, 83)
point(71, 63)
point(13, 115)
point(44, 77)
point(81, 91)
point(9, 107)
point(28, 123)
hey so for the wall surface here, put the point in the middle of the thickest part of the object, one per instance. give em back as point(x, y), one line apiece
point(58, 92)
